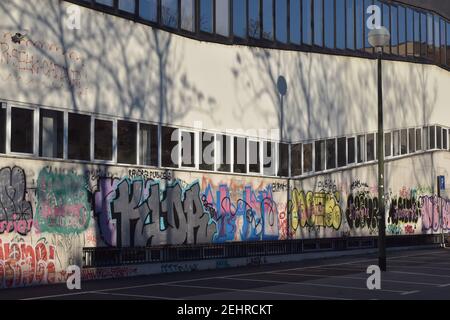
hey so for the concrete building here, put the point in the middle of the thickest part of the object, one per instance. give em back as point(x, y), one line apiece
point(131, 128)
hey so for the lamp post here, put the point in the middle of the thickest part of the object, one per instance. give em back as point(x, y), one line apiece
point(378, 38)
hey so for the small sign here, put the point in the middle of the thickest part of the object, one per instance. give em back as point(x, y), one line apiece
point(441, 182)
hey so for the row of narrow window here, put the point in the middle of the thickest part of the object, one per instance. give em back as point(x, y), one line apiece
point(84, 137)
point(337, 25)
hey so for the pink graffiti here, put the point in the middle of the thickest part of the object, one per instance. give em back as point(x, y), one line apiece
point(431, 216)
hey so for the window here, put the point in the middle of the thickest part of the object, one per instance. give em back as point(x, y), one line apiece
point(51, 133)
point(240, 155)
point(169, 147)
point(416, 33)
point(432, 134)
point(359, 24)
point(371, 147)
point(340, 24)
point(269, 158)
point(350, 18)
point(103, 139)
point(387, 144)
point(318, 23)
point(404, 141)
point(223, 153)
point(148, 152)
point(108, 3)
point(294, 21)
point(437, 40)
point(320, 155)
point(426, 140)
point(22, 130)
point(148, 10)
point(444, 139)
point(418, 139)
point(401, 31)
point(79, 139)
point(342, 152)
point(423, 34)
point(283, 160)
point(396, 143)
point(307, 158)
point(206, 141)
point(394, 30)
point(268, 19)
point(430, 40)
point(361, 148)
point(443, 41)
point(367, 46)
point(2, 128)
point(412, 140)
point(296, 159)
point(127, 6)
point(169, 13)
point(223, 17)
point(188, 15)
point(351, 152)
point(331, 154)
point(306, 21)
point(206, 15)
point(126, 142)
point(386, 23)
point(253, 153)
point(409, 31)
point(448, 43)
point(438, 137)
point(240, 18)
point(254, 23)
point(328, 20)
point(187, 149)
point(281, 20)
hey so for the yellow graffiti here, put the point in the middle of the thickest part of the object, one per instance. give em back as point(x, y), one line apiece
point(318, 209)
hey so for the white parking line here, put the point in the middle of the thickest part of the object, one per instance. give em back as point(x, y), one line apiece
point(134, 295)
point(409, 292)
point(260, 291)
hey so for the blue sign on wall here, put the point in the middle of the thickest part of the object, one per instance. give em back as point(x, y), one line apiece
point(442, 182)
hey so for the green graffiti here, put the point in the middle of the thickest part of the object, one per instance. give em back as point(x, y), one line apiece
point(62, 203)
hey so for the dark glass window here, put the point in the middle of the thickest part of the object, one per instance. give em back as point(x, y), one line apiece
point(281, 19)
point(318, 23)
point(438, 137)
point(404, 141)
point(187, 149)
point(342, 152)
point(269, 158)
point(294, 21)
point(401, 31)
point(254, 22)
point(307, 158)
point(51, 133)
point(127, 6)
point(188, 15)
point(148, 10)
point(2, 128)
point(394, 30)
point(331, 154)
point(79, 140)
point(361, 149)
point(283, 160)
point(328, 20)
point(126, 142)
point(350, 20)
point(223, 18)
point(412, 140)
point(306, 21)
point(268, 19)
point(240, 155)
point(367, 45)
point(444, 139)
point(423, 34)
point(437, 40)
point(254, 160)
point(430, 40)
point(169, 13)
point(296, 159)
point(240, 18)
point(387, 144)
point(103, 139)
point(320, 160)
point(442, 42)
point(351, 152)
point(207, 151)
point(448, 43)
point(432, 133)
point(22, 130)
point(108, 3)
point(224, 153)
point(370, 147)
point(359, 24)
point(409, 32)
point(340, 24)
point(149, 145)
point(396, 143)
point(416, 33)
point(169, 147)
point(386, 23)
point(206, 16)
point(418, 139)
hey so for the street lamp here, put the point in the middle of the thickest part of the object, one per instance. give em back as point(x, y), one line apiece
point(378, 38)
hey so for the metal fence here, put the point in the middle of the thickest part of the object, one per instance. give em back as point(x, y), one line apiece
point(102, 257)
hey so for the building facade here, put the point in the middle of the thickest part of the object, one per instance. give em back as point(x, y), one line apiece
point(176, 124)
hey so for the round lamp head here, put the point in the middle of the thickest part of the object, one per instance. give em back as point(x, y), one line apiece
point(379, 37)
